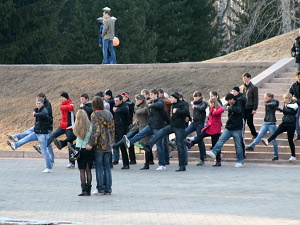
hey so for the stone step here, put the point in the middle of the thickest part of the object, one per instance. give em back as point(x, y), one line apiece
point(292, 69)
point(286, 80)
point(275, 86)
point(278, 92)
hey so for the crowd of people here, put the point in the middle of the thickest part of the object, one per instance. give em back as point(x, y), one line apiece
point(109, 124)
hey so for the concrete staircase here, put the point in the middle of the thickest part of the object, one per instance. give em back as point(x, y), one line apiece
point(279, 85)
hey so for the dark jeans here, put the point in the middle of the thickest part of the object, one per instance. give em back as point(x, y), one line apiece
point(103, 172)
point(214, 140)
point(70, 138)
point(197, 127)
point(249, 119)
point(131, 151)
point(165, 143)
point(120, 132)
point(290, 133)
point(180, 136)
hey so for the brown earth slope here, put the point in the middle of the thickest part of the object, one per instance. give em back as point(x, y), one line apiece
point(19, 87)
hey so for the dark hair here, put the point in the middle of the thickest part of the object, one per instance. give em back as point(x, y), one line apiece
point(229, 96)
point(297, 73)
point(248, 75)
point(107, 12)
point(40, 100)
point(100, 94)
point(41, 95)
point(180, 95)
point(97, 103)
point(160, 90)
point(270, 95)
point(85, 95)
point(119, 97)
point(154, 91)
point(197, 94)
point(214, 93)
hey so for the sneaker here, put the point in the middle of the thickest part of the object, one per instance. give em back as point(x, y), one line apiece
point(12, 138)
point(12, 145)
point(172, 144)
point(57, 143)
point(296, 139)
point(292, 158)
point(161, 168)
point(70, 165)
point(249, 148)
point(97, 193)
point(239, 165)
point(126, 141)
point(37, 148)
point(47, 171)
point(189, 144)
point(275, 157)
point(211, 154)
point(265, 141)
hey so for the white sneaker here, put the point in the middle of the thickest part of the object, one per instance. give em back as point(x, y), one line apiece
point(265, 141)
point(161, 168)
point(37, 148)
point(292, 158)
point(96, 192)
point(12, 145)
point(211, 154)
point(71, 166)
point(47, 171)
point(239, 165)
point(12, 138)
point(126, 141)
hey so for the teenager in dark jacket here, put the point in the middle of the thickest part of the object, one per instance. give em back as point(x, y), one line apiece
point(122, 122)
point(177, 125)
point(269, 124)
point(251, 93)
point(108, 97)
point(233, 128)
point(86, 104)
point(295, 51)
point(295, 91)
point(199, 115)
point(156, 121)
point(288, 123)
point(43, 123)
point(130, 104)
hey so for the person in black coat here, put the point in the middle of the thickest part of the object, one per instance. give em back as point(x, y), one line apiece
point(86, 104)
point(177, 125)
point(295, 51)
point(295, 92)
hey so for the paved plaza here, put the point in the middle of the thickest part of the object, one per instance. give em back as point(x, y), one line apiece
point(265, 194)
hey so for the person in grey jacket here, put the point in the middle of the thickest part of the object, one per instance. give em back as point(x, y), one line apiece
point(108, 34)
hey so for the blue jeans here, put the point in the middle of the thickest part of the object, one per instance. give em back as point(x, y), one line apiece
point(108, 45)
point(103, 172)
point(263, 130)
point(297, 122)
point(237, 137)
point(24, 134)
point(180, 135)
point(42, 138)
point(147, 131)
point(197, 127)
point(30, 137)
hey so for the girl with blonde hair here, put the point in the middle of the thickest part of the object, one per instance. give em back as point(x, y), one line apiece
point(82, 130)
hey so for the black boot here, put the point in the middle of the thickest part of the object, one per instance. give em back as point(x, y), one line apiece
point(181, 168)
point(89, 187)
point(84, 188)
point(218, 163)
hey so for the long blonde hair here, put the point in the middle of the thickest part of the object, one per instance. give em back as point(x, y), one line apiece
point(82, 124)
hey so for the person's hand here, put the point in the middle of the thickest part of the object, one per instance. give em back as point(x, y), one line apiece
point(187, 119)
point(174, 110)
point(100, 46)
point(114, 109)
point(33, 113)
point(81, 105)
point(253, 112)
point(88, 147)
point(193, 106)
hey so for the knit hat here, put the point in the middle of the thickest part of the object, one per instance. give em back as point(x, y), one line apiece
point(126, 94)
point(65, 95)
point(108, 92)
point(236, 89)
point(176, 95)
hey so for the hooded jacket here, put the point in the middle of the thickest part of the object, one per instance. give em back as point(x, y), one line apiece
point(235, 117)
point(199, 112)
point(67, 113)
point(214, 122)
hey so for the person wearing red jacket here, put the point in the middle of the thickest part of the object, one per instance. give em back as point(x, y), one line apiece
point(65, 126)
point(212, 128)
